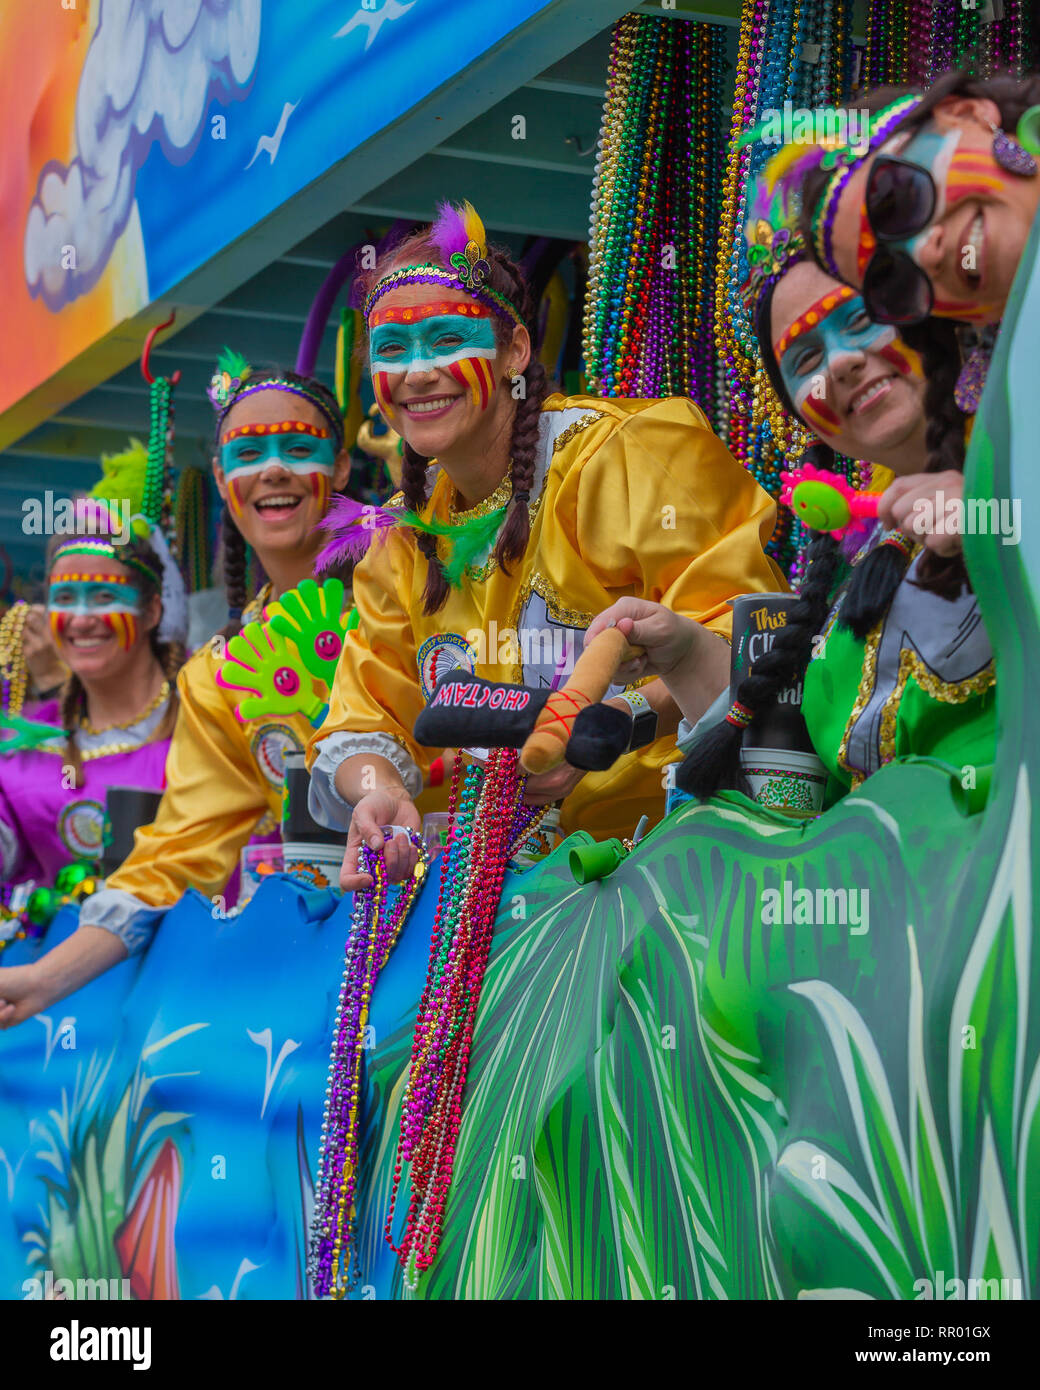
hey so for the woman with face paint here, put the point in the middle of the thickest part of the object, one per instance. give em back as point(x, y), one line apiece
point(279, 457)
point(925, 662)
point(930, 222)
point(117, 707)
point(521, 515)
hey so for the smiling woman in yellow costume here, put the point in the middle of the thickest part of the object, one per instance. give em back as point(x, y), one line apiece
point(279, 455)
point(540, 511)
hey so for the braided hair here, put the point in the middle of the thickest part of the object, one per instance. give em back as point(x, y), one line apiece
point(235, 550)
point(168, 655)
point(505, 277)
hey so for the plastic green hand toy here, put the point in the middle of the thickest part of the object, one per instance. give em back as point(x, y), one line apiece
point(263, 663)
point(312, 619)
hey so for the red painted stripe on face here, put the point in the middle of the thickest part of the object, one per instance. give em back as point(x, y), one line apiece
point(381, 387)
point(903, 358)
point(233, 495)
point(820, 416)
point(488, 378)
point(57, 621)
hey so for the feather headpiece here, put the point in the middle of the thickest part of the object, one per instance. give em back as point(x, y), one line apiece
point(459, 237)
point(458, 234)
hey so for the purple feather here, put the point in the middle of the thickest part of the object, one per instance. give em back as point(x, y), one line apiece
point(352, 526)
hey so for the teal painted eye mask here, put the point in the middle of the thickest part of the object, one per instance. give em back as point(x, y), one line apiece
point(430, 343)
point(298, 453)
point(91, 596)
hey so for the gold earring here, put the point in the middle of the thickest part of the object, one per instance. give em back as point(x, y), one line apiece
point(513, 373)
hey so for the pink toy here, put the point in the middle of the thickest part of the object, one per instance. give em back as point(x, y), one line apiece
point(824, 501)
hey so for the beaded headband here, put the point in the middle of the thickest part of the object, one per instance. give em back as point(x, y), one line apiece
point(458, 233)
point(104, 550)
point(230, 384)
point(843, 159)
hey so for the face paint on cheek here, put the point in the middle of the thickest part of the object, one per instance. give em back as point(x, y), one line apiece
point(321, 487)
point(477, 374)
point(972, 175)
point(905, 360)
point(57, 622)
point(124, 625)
point(381, 387)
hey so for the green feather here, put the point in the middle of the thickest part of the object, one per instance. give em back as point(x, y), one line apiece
point(28, 733)
point(467, 542)
point(123, 477)
point(233, 363)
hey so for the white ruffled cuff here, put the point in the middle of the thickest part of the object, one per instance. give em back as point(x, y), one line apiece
point(133, 921)
point(324, 802)
point(687, 734)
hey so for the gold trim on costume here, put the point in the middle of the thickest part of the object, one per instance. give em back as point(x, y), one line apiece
point(163, 695)
point(910, 664)
point(565, 436)
point(538, 584)
point(498, 498)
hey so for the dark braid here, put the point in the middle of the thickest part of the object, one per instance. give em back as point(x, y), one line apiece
point(413, 485)
point(936, 341)
point(714, 761)
point(73, 710)
point(234, 571)
point(171, 657)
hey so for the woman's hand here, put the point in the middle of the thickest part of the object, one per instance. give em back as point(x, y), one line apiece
point(553, 785)
point(385, 806)
point(667, 637)
point(23, 992)
point(910, 505)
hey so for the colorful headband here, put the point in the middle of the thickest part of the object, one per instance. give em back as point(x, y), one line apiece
point(458, 234)
point(843, 159)
point(230, 384)
point(103, 550)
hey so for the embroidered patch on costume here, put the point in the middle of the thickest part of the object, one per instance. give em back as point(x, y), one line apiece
point(443, 652)
point(81, 826)
point(269, 746)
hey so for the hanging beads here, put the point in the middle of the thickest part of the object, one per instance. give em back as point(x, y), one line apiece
point(374, 930)
point(487, 823)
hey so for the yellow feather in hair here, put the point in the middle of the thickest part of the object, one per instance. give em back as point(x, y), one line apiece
point(784, 159)
point(474, 227)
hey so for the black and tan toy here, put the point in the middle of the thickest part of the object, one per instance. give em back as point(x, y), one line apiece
point(549, 726)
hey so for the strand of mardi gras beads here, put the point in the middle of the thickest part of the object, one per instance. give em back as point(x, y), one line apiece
point(375, 927)
point(483, 828)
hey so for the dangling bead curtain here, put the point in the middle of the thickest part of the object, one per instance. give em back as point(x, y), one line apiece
point(654, 223)
point(777, 44)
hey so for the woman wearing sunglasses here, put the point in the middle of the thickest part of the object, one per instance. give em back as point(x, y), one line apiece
point(934, 218)
point(860, 389)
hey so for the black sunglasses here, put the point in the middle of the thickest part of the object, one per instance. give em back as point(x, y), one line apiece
point(900, 202)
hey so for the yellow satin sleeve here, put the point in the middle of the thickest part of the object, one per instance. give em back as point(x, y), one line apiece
point(216, 794)
point(639, 498)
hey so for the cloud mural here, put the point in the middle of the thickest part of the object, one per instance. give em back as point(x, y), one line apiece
point(151, 71)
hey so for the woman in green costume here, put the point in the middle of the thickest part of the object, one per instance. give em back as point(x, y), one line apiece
point(887, 631)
